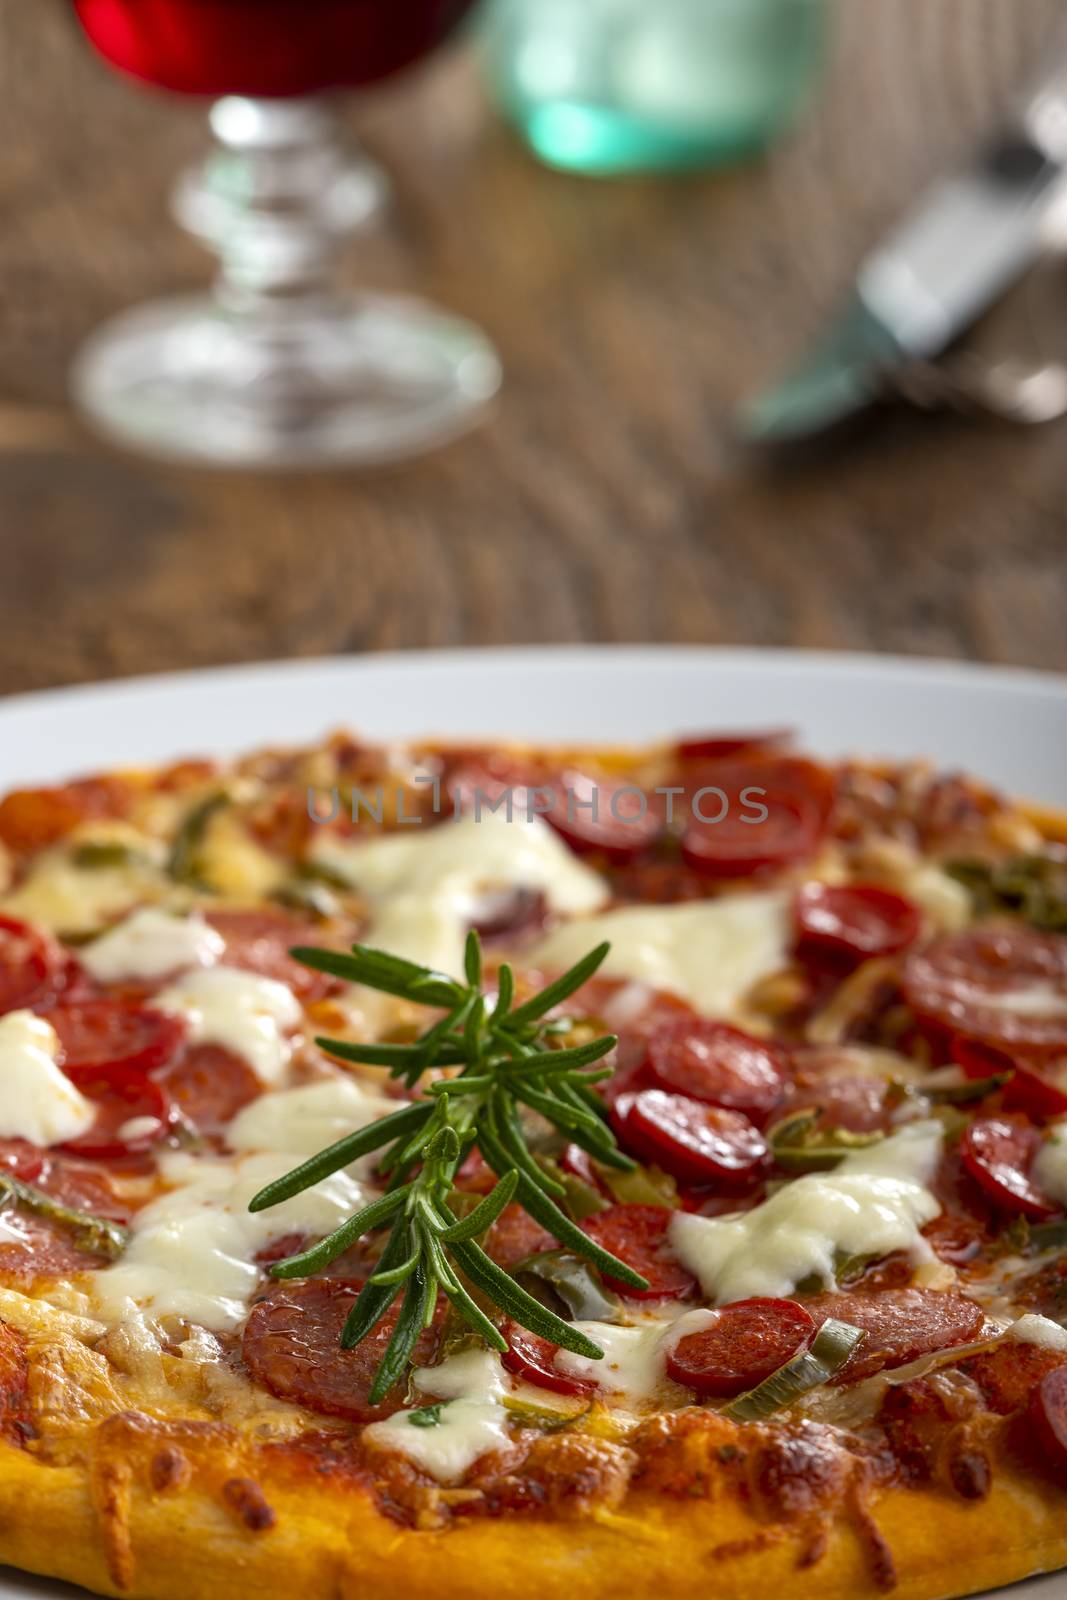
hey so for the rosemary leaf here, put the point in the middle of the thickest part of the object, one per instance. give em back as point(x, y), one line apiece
point(484, 1215)
point(522, 1307)
point(376, 969)
point(340, 1154)
point(559, 991)
point(336, 1243)
point(409, 1324)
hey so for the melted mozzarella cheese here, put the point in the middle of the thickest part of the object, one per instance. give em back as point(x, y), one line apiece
point(425, 885)
point(151, 944)
point(192, 1252)
point(634, 1364)
point(234, 863)
point(250, 1015)
point(874, 1203)
point(472, 1422)
point(945, 902)
point(710, 954)
point(1050, 1166)
point(66, 898)
point(1042, 1331)
point(37, 1101)
point(1039, 999)
point(307, 1119)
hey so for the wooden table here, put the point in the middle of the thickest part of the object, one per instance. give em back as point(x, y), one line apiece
point(604, 501)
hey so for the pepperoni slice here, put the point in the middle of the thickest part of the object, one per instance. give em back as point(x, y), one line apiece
point(956, 1237)
point(854, 923)
point(721, 746)
point(120, 1036)
point(32, 1248)
point(1005, 986)
point(615, 820)
point(514, 1236)
point(1025, 1091)
point(22, 1159)
point(30, 964)
point(774, 815)
point(74, 1183)
point(638, 1236)
point(508, 913)
point(73, 984)
point(579, 1163)
point(475, 1175)
point(292, 1347)
point(481, 784)
point(713, 1062)
point(1048, 1411)
point(534, 1359)
point(694, 1142)
point(210, 1085)
point(998, 1154)
point(838, 1082)
point(83, 1186)
point(260, 941)
point(133, 1113)
point(630, 1075)
point(901, 1325)
point(746, 1343)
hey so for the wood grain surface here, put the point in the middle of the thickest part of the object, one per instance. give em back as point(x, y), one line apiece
point(603, 501)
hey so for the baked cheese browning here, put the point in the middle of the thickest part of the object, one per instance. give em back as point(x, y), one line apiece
point(841, 1069)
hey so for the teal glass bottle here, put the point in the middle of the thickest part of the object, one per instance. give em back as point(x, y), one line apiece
point(610, 86)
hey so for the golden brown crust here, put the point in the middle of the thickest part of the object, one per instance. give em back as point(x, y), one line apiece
point(113, 1528)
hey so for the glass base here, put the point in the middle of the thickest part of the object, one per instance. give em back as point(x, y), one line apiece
point(327, 384)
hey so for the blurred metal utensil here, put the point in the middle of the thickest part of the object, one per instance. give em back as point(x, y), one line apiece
point(957, 253)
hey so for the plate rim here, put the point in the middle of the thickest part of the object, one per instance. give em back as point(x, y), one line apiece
point(891, 666)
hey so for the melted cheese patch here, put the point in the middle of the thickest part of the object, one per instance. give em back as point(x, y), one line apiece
point(250, 1015)
point(1050, 1166)
point(192, 1252)
point(1038, 999)
point(1040, 1331)
point(152, 944)
point(66, 898)
point(233, 863)
point(37, 1101)
point(874, 1203)
point(634, 1364)
point(710, 954)
point(425, 885)
point(472, 1421)
point(307, 1119)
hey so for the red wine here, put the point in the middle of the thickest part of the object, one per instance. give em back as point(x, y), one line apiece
point(273, 48)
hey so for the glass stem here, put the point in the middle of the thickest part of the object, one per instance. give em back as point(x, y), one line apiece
point(276, 199)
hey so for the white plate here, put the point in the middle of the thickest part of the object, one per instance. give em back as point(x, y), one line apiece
point(1006, 726)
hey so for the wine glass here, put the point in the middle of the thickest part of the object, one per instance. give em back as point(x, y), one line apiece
point(276, 367)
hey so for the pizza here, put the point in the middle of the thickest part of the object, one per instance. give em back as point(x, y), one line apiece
point(499, 1171)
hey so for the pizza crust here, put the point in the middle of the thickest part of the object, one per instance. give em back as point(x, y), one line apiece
point(109, 1527)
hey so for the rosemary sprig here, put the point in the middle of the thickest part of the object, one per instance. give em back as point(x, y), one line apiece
point(97, 1236)
point(507, 1061)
